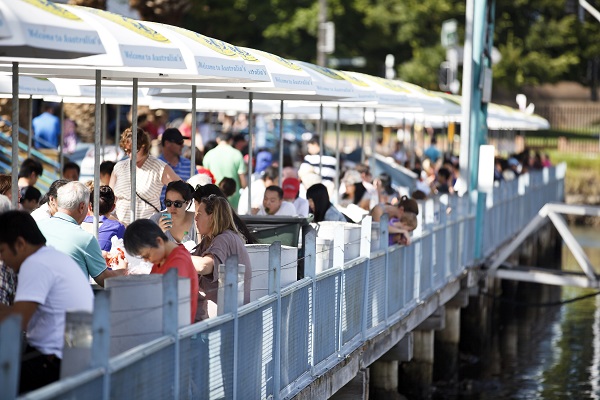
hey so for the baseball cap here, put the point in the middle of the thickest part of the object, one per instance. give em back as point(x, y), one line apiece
point(172, 135)
point(290, 187)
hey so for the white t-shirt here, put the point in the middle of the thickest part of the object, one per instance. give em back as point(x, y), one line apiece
point(258, 193)
point(286, 209)
point(54, 281)
point(41, 213)
point(301, 206)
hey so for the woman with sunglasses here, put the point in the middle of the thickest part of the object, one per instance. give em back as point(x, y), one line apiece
point(220, 239)
point(177, 221)
point(151, 175)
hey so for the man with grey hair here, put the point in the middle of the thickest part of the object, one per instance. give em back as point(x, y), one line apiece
point(62, 231)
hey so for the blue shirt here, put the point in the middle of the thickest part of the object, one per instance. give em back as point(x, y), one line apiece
point(46, 127)
point(107, 229)
point(62, 232)
point(182, 169)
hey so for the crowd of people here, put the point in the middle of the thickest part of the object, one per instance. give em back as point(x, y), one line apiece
point(183, 220)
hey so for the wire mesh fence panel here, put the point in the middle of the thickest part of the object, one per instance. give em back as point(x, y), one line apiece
point(438, 257)
point(409, 273)
point(256, 353)
point(426, 266)
point(327, 317)
point(376, 300)
point(91, 390)
point(206, 361)
point(396, 281)
point(151, 377)
point(352, 301)
point(296, 345)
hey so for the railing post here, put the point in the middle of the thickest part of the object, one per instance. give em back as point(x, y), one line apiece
point(338, 247)
point(230, 301)
point(170, 312)
point(383, 244)
point(365, 237)
point(10, 356)
point(275, 287)
point(310, 271)
point(310, 252)
point(101, 338)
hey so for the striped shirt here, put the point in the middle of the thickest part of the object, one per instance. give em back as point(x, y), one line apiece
point(182, 169)
point(148, 186)
point(328, 163)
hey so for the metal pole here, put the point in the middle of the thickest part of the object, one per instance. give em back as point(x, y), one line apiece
point(194, 128)
point(61, 144)
point(281, 143)
point(363, 135)
point(467, 93)
point(30, 117)
point(117, 131)
point(373, 141)
point(15, 135)
point(104, 128)
point(97, 133)
point(337, 156)
point(134, 149)
point(321, 134)
point(250, 133)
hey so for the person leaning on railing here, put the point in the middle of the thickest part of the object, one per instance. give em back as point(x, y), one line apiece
point(220, 239)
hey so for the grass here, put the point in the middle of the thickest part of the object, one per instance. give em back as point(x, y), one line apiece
point(583, 173)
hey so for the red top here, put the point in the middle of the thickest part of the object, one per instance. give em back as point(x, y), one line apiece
point(180, 258)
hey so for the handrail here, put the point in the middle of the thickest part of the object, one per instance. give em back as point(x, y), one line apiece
point(22, 146)
point(330, 315)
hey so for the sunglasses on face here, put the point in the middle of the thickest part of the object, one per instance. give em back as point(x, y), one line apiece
point(176, 203)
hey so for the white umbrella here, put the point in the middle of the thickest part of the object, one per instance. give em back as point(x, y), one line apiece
point(35, 30)
point(214, 58)
point(28, 86)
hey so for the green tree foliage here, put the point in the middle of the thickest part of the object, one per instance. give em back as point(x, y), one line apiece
point(539, 41)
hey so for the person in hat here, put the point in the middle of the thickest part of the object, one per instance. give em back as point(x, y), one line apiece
point(172, 148)
point(291, 191)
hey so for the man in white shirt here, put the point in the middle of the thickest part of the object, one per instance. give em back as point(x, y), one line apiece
point(273, 203)
point(50, 284)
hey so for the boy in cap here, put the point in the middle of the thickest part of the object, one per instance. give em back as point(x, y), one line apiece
point(291, 190)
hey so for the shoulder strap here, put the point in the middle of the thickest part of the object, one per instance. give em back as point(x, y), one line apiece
point(147, 202)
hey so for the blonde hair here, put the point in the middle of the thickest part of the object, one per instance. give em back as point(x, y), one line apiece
point(222, 216)
point(143, 139)
point(409, 221)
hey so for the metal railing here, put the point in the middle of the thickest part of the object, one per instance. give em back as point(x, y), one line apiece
point(278, 345)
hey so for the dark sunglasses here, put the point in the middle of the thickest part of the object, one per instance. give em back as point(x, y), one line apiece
point(176, 203)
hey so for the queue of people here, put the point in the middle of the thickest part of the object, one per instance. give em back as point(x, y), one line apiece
point(192, 228)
